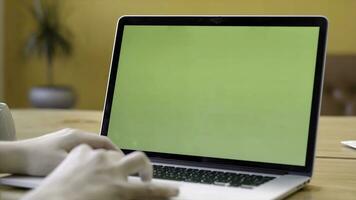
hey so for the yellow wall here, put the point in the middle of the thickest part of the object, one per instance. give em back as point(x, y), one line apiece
point(92, 23)
point(1, 50)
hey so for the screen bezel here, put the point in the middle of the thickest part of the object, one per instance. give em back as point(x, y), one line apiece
point(286, 21)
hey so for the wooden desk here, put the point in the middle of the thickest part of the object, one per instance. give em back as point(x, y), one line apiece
point(335, 167)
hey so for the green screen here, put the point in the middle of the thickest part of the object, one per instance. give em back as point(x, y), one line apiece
point(234, 92)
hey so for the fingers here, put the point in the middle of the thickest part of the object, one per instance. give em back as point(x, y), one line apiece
point(148, 191)
point(114, 155)
point(82, 148)
point(136, 162)
point(77, 137)
point(115, 168)
point(97, 142)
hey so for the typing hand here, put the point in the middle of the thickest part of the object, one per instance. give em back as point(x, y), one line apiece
point(100, 174)
point(39, 156)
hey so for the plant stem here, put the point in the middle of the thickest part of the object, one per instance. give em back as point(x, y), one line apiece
point(49, 73)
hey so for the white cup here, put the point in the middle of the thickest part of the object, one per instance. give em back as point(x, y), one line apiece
point(7, 126)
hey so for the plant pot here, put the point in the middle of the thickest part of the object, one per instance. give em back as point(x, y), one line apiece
point(52, 97)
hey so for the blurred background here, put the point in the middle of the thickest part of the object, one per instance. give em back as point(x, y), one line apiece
point(63, 47)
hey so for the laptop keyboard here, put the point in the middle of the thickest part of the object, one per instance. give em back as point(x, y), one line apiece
point(209, 177)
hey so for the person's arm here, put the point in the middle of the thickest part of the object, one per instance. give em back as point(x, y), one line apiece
point(90, 167)
point(39, 156)
point(11, 157)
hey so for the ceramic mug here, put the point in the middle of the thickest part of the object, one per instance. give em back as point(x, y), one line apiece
point(7, 126)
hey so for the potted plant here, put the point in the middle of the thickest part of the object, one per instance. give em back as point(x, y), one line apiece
point(49, 41)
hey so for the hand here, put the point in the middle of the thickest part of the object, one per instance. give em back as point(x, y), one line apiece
point(99, 174)
point(39, 156)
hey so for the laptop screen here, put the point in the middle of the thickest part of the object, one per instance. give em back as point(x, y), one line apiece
point(232, 92)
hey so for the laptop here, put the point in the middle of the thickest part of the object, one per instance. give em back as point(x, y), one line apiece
point(223, 105)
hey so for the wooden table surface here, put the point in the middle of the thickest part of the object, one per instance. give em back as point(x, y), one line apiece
point(335, 167)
